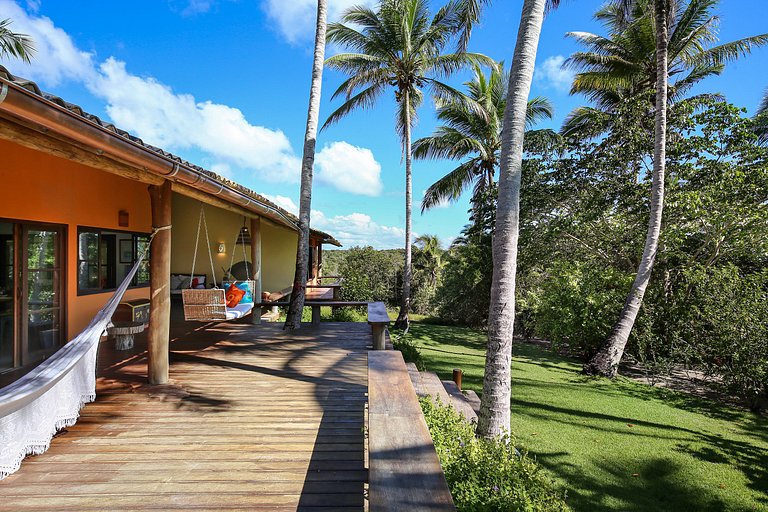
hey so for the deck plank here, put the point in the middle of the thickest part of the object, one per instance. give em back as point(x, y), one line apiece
point(253, 418)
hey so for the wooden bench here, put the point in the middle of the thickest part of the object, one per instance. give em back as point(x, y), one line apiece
point(404, 470)
point(316, 305)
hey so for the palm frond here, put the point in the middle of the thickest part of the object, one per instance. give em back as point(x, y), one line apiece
point(365, 99)
point(451, 186)
point(14, 44)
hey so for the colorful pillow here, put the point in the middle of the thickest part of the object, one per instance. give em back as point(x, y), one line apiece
point(248, 297)
point(234, 295)
point(195, 283)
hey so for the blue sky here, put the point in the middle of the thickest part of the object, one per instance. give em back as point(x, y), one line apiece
point(225, 84)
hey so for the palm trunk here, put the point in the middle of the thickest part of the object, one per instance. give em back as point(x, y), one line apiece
point(405, 306)
point(293, 319)
point(606, 361)
point(494, 408)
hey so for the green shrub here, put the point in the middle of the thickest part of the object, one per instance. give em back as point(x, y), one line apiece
point(579, 305)
point(411, 353)
point(487, 475)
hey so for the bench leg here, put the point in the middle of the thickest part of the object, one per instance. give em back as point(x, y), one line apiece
point(315, 315)
point(379, 340)
point(123, 341)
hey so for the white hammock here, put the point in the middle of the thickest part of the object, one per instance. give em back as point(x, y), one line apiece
point(50, 397)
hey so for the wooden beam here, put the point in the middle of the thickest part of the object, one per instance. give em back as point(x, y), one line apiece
point(70, 150)
point(160, 285)
point(256, 264)
point(186, 190)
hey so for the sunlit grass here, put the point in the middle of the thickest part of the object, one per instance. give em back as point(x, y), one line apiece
point(618, 445)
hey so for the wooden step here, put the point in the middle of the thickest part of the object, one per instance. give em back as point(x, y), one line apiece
point(459, 401)
point(474, 400)
point(415, 376)
point(433, 387)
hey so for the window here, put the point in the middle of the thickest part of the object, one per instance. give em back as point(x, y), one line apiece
point(104, 259)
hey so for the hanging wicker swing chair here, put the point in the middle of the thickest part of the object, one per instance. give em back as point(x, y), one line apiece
point(210, 305)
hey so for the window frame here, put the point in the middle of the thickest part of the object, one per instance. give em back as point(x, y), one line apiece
point(136, 237)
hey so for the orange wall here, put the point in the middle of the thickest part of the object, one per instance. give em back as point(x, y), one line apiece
point(42, 188)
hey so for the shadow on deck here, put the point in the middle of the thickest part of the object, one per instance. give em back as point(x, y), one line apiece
point(253, 418)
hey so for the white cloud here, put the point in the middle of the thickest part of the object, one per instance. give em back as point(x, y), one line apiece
point(286, 203)
point(359, 229)
point(295, 19)
point(349, 168)
point(177, 122)
point(174, 121)
point(197, 7)
point(551, 73)
point(56, 58)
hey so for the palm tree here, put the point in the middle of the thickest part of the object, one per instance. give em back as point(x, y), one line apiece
point(429, 257)
point(296, 306)
point(398, 45)
point(622, 65)
point(474, 134)
point(13, 44)
point(650, 42)
point(494, 418)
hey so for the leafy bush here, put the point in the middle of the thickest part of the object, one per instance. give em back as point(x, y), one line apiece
point(411, 353)
point(371, 275)
point(487, 475)
point(579, 304)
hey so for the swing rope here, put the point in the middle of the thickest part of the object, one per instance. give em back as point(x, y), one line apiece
point(245, 257)
point(201, 222)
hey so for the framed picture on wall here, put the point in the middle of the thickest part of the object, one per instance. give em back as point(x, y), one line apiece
point(126, 251)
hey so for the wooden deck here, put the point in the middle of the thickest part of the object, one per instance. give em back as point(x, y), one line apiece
point(254, 419)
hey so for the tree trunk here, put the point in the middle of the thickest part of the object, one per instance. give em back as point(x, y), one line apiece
point(606, 361)
point(293, 319)
point(494, 408)
point(405, 306)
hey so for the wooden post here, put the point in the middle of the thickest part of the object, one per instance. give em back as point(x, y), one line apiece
point(315, 315)
point(160, 285)
point(319, 272)
point(256, 264)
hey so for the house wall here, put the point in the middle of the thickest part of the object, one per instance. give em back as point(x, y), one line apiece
point(37, 187)
point(278, 244)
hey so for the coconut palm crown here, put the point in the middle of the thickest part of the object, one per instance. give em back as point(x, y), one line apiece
point(473, 133)
point(400, 46)
point(13, 44)
point(622, 65)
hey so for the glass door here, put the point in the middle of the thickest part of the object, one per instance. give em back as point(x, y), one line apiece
point(41, 302)
point(7, 296)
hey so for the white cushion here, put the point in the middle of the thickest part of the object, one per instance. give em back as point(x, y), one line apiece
point(176, 282)
point(239, 311)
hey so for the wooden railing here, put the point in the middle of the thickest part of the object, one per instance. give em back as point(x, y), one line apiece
point(404, 471)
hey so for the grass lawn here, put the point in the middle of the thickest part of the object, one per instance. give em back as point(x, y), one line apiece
point(618, 445)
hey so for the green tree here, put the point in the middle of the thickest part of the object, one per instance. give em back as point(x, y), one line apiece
point(474, 135)
point(762, 116)
point(13, 44)
point(296, 306)
point(399, 45)
point(675, 34)
point(622, 66)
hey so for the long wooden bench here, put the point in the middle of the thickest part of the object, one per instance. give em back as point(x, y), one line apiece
point(404, 470)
